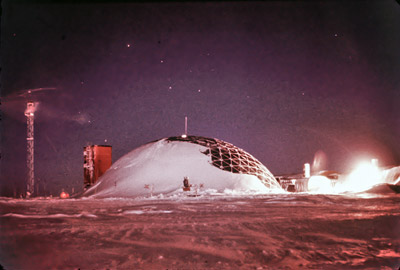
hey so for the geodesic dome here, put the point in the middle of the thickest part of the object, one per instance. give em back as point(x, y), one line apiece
point(163, 165)
point(228, 157)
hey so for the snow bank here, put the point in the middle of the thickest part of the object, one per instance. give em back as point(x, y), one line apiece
point(391, 176)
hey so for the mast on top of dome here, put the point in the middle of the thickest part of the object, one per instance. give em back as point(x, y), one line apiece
point(185, 134)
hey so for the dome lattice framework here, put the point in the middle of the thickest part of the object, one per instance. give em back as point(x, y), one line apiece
point(228, 157)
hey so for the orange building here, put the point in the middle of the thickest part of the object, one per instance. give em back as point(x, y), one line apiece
point(97, 159)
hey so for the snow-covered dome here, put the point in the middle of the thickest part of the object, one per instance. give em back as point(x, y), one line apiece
point(161, 166)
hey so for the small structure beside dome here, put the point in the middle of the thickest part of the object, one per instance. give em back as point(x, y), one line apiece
point(96, 161)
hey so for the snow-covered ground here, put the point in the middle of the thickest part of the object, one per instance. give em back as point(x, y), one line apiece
point(236, 216)
point(220, 231)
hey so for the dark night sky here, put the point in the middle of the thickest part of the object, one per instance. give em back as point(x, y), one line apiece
point(281, 80)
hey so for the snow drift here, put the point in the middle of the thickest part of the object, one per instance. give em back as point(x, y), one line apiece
point(160, 167)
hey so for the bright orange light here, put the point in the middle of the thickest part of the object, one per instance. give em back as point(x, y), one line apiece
point(64, 195)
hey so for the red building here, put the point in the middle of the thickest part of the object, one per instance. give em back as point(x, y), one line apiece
point(97, 160)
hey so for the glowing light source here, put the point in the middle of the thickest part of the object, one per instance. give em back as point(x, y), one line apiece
point(30, 108)
point(365, 176)
point(64, 195)
point(319, 184)
point(306, 170)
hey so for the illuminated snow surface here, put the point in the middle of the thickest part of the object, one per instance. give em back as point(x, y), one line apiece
point(220, 231)
point(161, 166)
point(365, 178)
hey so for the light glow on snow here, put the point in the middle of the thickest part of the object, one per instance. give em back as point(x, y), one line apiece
point(363, 177)
point(319, 184)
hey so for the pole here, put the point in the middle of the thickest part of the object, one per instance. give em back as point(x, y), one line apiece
point(30, 116)
point(186, 125)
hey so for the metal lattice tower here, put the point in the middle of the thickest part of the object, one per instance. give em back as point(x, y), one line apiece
point(30, 117)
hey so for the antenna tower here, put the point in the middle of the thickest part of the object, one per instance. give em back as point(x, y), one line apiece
point(185, 134)
point(186, 125)
point(31, 106)
point(30, 118)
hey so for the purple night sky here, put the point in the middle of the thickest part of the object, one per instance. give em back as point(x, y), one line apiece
point(281, 80)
